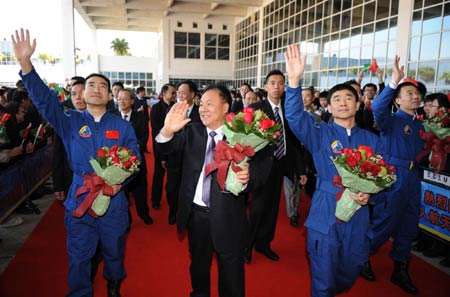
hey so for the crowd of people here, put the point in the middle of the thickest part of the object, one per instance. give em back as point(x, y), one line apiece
point(186, 124)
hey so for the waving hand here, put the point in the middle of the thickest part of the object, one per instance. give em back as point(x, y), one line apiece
point(23, 49)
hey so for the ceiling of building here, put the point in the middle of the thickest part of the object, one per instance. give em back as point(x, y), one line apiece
point(146, 15)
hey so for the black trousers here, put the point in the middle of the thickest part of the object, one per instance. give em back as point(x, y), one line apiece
point(264, 208)
point(158, 180)
point(201, 248)
point(138, 187)
point(172, 186)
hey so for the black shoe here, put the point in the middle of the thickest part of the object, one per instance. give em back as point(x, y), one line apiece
point(268, 253)
point(114, 288)
point(172, 219)
point(156, 206)
point(401, 278)
point(147, 220)
point(367, 272)
point(294, 221)
point(247, 255)
point(436, 250)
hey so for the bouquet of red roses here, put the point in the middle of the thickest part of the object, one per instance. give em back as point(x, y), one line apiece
point(437, 139)
point(112, 167)
point(246, 133)
point(361, 170)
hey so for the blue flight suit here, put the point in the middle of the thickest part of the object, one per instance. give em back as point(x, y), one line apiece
point(82, 137)
point(399, 133)
point(337, 251)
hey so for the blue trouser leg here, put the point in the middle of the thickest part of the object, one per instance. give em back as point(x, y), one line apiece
point(381, 222)
point(82, 240)
point(337, 257)
point(405, 210)
point(112, 230)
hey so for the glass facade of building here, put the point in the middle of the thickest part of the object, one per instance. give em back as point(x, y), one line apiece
point(246, 50)
point(202, 84)
point(133, 80)
point(341, 36)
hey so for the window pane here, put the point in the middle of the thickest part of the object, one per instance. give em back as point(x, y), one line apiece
point(194, 52)
point(381, 31)
point(210, 53)
point(194, 38)
point(414, 50)
point(357, 16)
point(180, 38)
point(382, 9)
point(432, 19)
point(369, 10)
point(417, 23)
point(446, 24)
point(224, 40)
point(428, 49)
point(180, 52)
point(445, 49)
point(379, 52)
point(444, 73)
point(427, 72)
point(223, 54)
point(210, 39)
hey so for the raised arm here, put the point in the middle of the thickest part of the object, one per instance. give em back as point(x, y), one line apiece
point(23, 49)
point(295, 65)
point(381, 105)
point(175, 120)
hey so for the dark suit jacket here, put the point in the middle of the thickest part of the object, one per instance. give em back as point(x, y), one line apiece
point(294, 159)
point(227, 212)
point(157, 117)
point(140, 125)
point(237, 106)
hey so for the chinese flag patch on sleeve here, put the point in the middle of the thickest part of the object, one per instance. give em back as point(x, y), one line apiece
point(112, 134)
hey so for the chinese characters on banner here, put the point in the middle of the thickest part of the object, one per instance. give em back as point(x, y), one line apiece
point(435, 210)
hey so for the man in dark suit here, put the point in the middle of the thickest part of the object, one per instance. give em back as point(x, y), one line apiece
point(239, 105)
point(138, 120)
point(186, 91)
point(278, 160)
point(157, 117)
point(140, 103)
point(215, 219)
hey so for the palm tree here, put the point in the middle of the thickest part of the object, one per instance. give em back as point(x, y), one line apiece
point(426, 73)
point(120, 47)
point(446, 77)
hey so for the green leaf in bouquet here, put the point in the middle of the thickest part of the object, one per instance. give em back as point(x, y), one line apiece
point(356, 183)
point(256, 142)
point(97, 166)
point(346, 207)
point(231, 183)
point(115, 175)
point(440, 132)
point(101, 204)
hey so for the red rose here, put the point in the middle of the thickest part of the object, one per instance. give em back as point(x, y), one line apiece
point(382, 162)
point(347, 150)
point(445, 121)
point(276, 134)
point(114, 147)
point(249, 110)
point(133, 159)
point(113, 154)
point(440, 112)
point(420, 117)
point(391, 169)
point(116, 161)
point(230, 116)
point(366, 166)
point(248, 117)
point(375, 170)
point(127, 164)
point(351, 160)
point(101, 153)
point(369, 153)
point(267, 123)
point(358, 156)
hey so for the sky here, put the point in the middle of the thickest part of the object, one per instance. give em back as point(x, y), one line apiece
point(43, 19)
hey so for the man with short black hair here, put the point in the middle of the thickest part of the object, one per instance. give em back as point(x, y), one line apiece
point(83, 134)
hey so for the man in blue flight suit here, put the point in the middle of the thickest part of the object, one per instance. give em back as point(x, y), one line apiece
point(337, 250)
point(399, 133)
point(83, 133)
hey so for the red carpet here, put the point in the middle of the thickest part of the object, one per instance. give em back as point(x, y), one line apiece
point(157, 263)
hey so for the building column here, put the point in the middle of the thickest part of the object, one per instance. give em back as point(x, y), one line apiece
point(68, 38)
point(405, 12)
point(260, 48)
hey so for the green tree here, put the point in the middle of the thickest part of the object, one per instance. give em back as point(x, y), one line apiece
point(120, 47)
point(46, 58)
point(411, 73)
point(2, 56)
point(426, 73)
point(445, 77)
